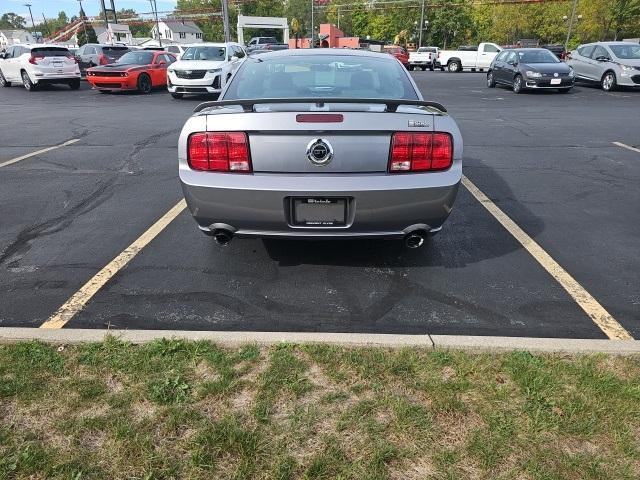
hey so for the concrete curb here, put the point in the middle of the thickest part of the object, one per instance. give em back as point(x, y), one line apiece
point(455, 342)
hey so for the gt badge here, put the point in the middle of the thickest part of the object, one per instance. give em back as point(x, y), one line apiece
point(319, 152)
point(418, 124)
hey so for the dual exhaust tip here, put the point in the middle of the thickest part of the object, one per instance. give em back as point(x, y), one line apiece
point(412, 240)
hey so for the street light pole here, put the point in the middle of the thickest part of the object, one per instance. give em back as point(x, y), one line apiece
point(152, 3)
point(312, 26)
point(84, 24)
point(573, 14)
point(225, 20)
point(31, 15)
point(421, 25)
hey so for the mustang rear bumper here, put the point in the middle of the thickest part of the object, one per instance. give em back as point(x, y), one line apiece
point(379, 205)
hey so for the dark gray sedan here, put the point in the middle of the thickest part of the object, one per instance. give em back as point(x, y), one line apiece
point(320, 144)
point(530, 68)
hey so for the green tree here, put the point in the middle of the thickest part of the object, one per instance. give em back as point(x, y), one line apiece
point(452, 22)
point(12, 21)
point(90, 36)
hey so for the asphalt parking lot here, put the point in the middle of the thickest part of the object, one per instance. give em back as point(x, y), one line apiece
point(548, 161)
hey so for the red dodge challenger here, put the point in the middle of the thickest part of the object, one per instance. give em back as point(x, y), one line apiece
point(139, 70)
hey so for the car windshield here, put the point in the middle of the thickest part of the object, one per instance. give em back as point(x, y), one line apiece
point(204, 53)
point(628, 52)
point(337, 76)
point(138, 58)
point(537, 56)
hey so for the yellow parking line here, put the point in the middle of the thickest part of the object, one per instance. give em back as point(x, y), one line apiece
point(628, 147)
point(590, 305)
point(79, 299)
point(38, 152)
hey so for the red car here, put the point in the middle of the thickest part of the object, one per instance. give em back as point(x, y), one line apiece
point(140, 70)
point(398, 52)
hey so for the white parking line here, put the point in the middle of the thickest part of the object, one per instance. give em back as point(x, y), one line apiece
point(38, 152)
point(590, 305)
point(628, 147)
point(79, 299)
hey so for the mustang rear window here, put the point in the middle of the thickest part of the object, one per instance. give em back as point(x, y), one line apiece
point(300, 76)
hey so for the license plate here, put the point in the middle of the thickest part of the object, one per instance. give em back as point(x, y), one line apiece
point(319, 212)
point(556, 81)
point(57, 64)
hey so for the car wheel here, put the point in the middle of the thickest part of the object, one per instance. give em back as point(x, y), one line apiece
point(608, 82)
point(144, 83)
point(26, 81)
point(3, 81)
point(74, 84)
point(517, 84)
point(454, 66)
point(177, 96)
point(491, 82)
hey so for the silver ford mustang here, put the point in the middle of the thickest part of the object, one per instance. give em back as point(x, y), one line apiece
point(320, 144)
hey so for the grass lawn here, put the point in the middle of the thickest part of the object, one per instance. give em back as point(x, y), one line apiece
point(174, 409)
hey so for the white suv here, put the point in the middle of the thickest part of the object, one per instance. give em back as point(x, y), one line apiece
point(204, 68)
point(40, 64)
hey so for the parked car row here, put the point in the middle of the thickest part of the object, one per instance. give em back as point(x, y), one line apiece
point(608, 64)
point(202, 68)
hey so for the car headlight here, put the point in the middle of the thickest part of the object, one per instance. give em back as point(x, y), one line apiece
point(627, 68)
point(531, 74)
point(214, 70)
point(571, 72)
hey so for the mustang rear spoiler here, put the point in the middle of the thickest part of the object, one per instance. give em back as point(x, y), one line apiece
point(392, 105)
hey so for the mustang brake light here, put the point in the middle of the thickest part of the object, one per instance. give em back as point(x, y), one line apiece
point(219, 152)
point(419, 152)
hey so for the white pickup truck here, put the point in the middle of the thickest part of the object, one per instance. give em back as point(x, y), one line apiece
point(466, 58)
point(424, 58)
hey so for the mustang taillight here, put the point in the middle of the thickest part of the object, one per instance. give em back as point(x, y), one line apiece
point(219, 152)
point(419, 152)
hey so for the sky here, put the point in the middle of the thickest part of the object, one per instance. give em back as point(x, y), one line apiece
point(50, 8)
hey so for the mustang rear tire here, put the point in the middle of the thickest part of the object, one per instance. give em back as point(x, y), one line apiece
point(144, 83)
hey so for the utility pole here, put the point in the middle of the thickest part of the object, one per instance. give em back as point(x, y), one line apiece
point(155, 10)
point(312, 26)
point(31, 15)
point(421, 25)
point(84, 25)
point(46, 25)
point(225, 20)
point(573, 14)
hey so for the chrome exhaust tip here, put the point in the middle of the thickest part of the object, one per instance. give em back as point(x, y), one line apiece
point(223, 237)
point(414, 239)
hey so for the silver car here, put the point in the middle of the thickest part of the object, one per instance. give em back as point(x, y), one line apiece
point(320, 144)
point(611, 64)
